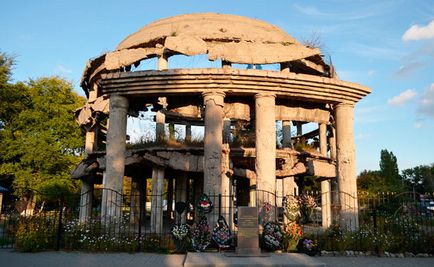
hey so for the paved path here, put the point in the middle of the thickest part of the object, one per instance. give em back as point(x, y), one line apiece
point(9, 258)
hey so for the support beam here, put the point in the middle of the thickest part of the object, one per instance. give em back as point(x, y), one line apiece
point(346, 166)
point(265, 163)
point(115, 158)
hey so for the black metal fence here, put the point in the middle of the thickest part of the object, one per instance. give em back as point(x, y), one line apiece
point(143, 223)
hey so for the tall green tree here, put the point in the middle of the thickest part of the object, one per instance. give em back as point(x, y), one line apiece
point(389, 170)
point(40, 141)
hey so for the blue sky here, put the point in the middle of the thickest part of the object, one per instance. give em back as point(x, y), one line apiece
point(386, 45)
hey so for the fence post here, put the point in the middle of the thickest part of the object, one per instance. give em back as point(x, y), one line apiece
point(220, 205)
point(59, 226)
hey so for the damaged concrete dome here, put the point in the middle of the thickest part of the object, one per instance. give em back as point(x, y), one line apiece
point(230, 38)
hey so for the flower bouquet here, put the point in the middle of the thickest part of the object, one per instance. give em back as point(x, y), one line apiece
point(180, 234)
point(180, 231)
point(272, 236)
point(307, 206)
point(292, 233)
point(307, 246)
point(291, 208)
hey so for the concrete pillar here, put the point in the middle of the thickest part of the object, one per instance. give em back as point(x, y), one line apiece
point(333, 184)
point(346, 166)
point(157, 200)
point(227, 131)
point(160, 120)
point(212, 171)
point(163, 63)
point(265, 129)
point(325, 184)
point(286, 134)
point(115, 156)
point(90, 141)
point(181, 184)
point(284, 67)
point(299, 128)
point(135, 200)
point(170, 198)
point(226, 210)
point(226, 64)
point(252, 192)
point(171, 131)
point(188, 133)
point(86, 199)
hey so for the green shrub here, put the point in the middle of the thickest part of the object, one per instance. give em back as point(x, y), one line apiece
point(36, 233)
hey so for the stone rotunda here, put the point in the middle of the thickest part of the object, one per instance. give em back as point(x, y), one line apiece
point(263, 78)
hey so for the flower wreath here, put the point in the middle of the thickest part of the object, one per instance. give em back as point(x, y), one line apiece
point(201, 235)
point(221, 234)
point(204, 204)
point(272, 236)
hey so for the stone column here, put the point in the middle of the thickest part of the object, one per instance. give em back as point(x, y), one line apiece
point(188, 133)
point(286, 134)
point(170, 198)
point(115, 156)
point(227, 131)
point(212, 165)
point(252, 192)
point(86, 199)
point(171, 131)
point(181, 183)
point(160, 120)
point(87, 186)
point(135, 200)
point(157, 200)
point(265, 129)
point(163, 62)
point(212, 172)
point(299, 128)
point(346, 169)
point(325, 184)
point(86, 196)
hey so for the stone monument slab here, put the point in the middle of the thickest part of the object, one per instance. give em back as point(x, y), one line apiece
point(248, 231)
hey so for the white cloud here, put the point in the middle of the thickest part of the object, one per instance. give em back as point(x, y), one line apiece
point(402, 98)
point(417, 32)
point(426, 103)
point(60, 69)
point(408, 69)
point(418, 125)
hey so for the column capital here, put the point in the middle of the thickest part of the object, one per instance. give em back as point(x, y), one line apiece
point(118, 101)
point(216, 96)
point(261, 95)
point(213, 93)
point(345, 105)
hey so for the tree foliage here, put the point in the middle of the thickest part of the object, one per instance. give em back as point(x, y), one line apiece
point(389, 171)
point(40, 141)
point(385, 179)
point(420, 178)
